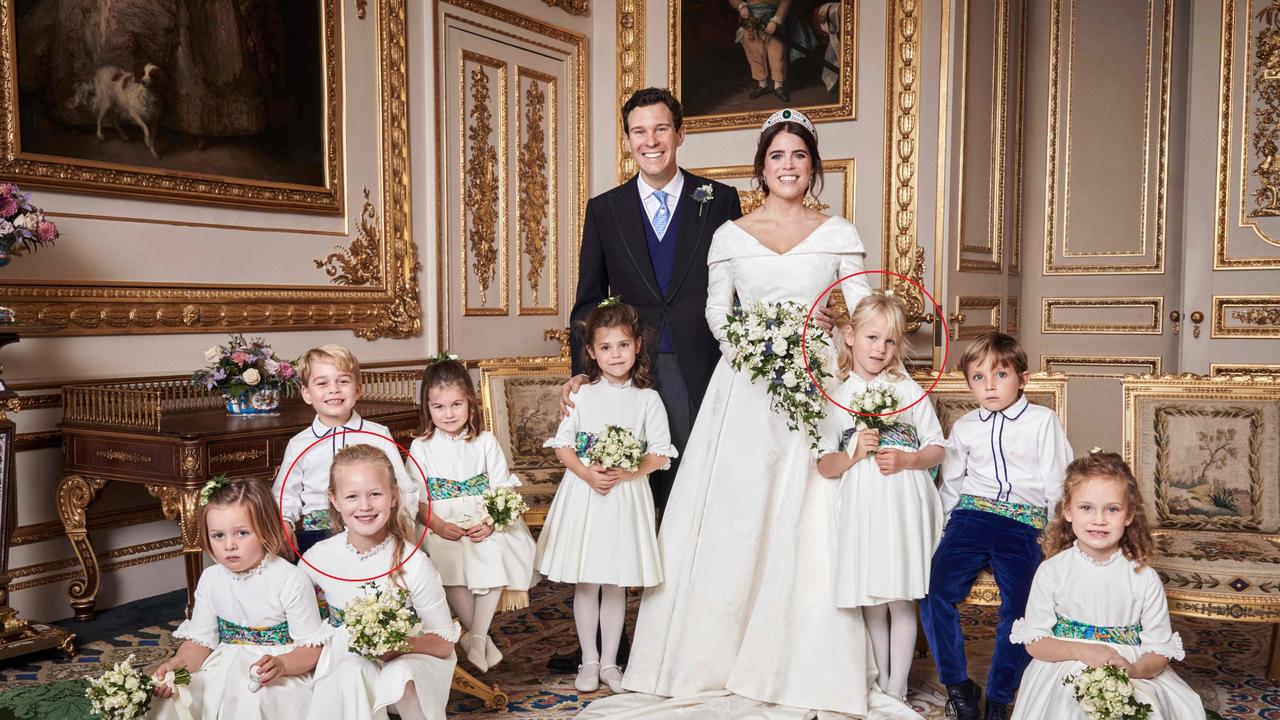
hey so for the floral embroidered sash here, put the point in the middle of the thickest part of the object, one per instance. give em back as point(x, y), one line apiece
point(318, 520)
point(445, 489)
point(901, 435)
point(1069, 629)
point(1033, 515)
point(231, 633)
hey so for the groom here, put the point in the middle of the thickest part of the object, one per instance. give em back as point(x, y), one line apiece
point(646, 240)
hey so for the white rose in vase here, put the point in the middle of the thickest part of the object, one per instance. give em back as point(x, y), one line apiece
point(251, 376)
point(213, 354)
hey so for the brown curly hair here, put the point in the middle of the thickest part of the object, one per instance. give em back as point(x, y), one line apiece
point(443, 373)
point(626, 318)
point(1136, 543)
point(399, 527)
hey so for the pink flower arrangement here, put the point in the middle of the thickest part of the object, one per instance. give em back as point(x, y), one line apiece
point(242, 366)
point(23, 226)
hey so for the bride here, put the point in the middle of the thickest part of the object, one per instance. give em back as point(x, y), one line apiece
point(745, 622)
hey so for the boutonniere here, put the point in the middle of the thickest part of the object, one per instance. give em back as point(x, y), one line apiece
point(703, 195)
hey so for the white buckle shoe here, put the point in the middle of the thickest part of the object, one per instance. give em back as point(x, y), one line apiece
point(492, 654)
point(612, 676)
point(474, 648)
point(588, 679)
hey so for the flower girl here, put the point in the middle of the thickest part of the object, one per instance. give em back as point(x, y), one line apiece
point(600, 529)
point(255, 633)
point(476, 560)
point(890, 514)
point(375, 537)
point(1095, 602)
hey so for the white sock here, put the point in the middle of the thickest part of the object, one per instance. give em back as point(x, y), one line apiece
point(902, 645)
point(485, 606)
point(876, 618)
point(463, 604)
point(613, 616)
point(586, 617)
point(408, 706)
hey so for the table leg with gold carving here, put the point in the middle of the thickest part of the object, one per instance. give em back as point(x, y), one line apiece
point(75, 494)
point(183, 505)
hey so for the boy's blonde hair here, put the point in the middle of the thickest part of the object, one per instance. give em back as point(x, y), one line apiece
point(875, 305)
point(335, 355)
point(1006, 350)
point(264, 515)
point(399, 527)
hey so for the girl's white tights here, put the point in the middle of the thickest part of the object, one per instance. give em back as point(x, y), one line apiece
point(475, 612)
point(408, 706)
point(603, 606)
point(892, 628)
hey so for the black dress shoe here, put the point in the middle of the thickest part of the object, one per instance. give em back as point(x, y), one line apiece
point(962, 701)
point(782, 94)
point(996, 711)
point(758, 92)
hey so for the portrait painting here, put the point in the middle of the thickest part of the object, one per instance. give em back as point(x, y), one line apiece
point(735, 62)
point(212, 101)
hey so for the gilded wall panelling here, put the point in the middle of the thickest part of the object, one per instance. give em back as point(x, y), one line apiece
point(1151, 209)
point(1095, 366)
point(389, 308)
point(482, 88)
point(1242, 369)
point(573, 7)
point(1011, 323)
point(538, 181)
point(1015, 262)
point(1152, 307)
point(1244, 316)
point(631, 71)
point(1252, 127)
point(902, 252)
point(994, 172)
point(835, 170)
point(981, 316)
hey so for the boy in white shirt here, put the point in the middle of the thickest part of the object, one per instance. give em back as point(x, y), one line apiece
point(330, 377)
point(1001, 476)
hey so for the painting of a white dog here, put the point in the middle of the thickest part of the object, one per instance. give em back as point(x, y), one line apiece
point(116, 95)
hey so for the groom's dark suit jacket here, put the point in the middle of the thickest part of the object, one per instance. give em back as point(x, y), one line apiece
point(614, 260)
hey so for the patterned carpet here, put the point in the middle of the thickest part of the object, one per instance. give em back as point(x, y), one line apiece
point(1225, 663)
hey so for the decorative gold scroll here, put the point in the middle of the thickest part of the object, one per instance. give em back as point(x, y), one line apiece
point(484, 174)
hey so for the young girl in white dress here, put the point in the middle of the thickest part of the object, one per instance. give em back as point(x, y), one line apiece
point(375, 537)
point(889, 516)
point(477, 565)
point(1095, 602)
point(600, 530)
point(253, 611)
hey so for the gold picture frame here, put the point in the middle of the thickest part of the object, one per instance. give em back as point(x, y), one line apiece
point(47, 123)
point(374, 287)
point(757, 110)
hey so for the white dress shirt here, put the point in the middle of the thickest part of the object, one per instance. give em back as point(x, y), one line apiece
point(650, 203)
point(308, 489)
point(1019, 455)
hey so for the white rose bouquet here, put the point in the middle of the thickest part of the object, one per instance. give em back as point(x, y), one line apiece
point(125, 692)
point(616, 447)
point(1106, 693)
point(875, 400)
point(767, 337)
point(503, 506)
point(380, 621)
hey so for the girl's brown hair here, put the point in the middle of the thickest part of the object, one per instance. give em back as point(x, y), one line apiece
point(1136, 543)
point(625, 317)
point(810, 144)
point(399, 526)
point(264, 514)
point(442, 373)
point(876, 304)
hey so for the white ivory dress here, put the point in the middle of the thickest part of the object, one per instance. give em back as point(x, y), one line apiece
point(744, 624)
point(458, 470)
point(352, 687)
point(270, 610)
point(1073, 586)
point(607, 539)
point(886, 527)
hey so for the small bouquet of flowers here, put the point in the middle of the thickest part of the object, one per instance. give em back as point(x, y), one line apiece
point(503, 506)
point(380, 621)
point(125, 692)
point(242, 367)
point(23, 226)
point(876, 400)
point(767, 337)
point(1106, 693)
point(616, 447)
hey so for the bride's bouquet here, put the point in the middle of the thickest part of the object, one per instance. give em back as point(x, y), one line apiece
point(616, 447)
point(503, 507)
point(767, 339)
point(1106, 693)
point(125, 692)
point(379, 622)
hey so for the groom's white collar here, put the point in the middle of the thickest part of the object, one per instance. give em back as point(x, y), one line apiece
point(672, 188)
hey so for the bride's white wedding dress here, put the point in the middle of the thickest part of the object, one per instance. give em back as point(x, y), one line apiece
point(745, 623)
